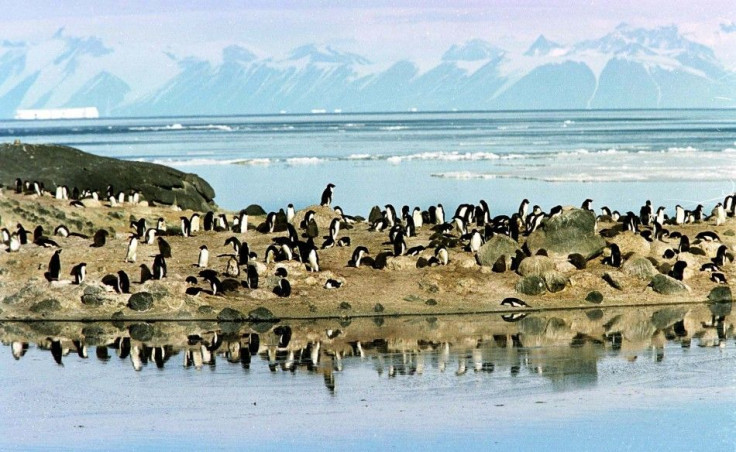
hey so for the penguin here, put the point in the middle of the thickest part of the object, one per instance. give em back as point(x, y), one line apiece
point(669, 253)
point(729, 206)
point(722, 257)
point(164, 248)
point(328, 243)
point(139, 226)
point(283, 289)
point(358, 254)
point(61, 231)
point(343, 241)
point(684, 244)
point(475, 241)
point(332, 284)
point(327, 196)
point(678, 270)
point(209, 220)
point(192, 289)
point(614, 259)
point(514, 303)
point(719, 214)
point(439, 214)
point(718, 277)
point(290, 213)
point(709, 267)
point(645, 213)
point(708, 236)
point(460, 225)
point(679, 214)
point(442, 255)
point(390, 215)
point(123, 282)
point(243, 254)
point(18, 186)
point(287, 251)
point(194, 223)
point(37, 188)
point(606, 212)
point(13, 243)
point(271, 254)
point(131, 253)
point(54, 267)
point(308, 217)
point(79, 272)
point(161, 225)
point(334, 229)
point(281, 272)
point(399, 243)
point(587, 205)
point(243, 222)
point(416, 217)
point(204, 256)
point(659, 216)
point(415, 250)
point(313, 259)
point(186, 226)
point(235, 244)
point(232, 268)
point(22, 234)
point(56, 351)
point(150, 236)
point(270, 222)
point(523, 208)
point(159, 267)
point(221, 223)
point(252, 277)
point(4, 236)
point(410, 228)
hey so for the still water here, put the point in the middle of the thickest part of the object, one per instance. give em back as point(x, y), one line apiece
point(615, 379)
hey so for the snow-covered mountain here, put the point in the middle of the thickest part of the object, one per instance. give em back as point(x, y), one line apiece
point(626, 68)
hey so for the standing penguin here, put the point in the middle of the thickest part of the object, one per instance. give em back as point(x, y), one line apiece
point(123, 282)
point(79, 272)
point(614, 260)
point(334, 228)
point(54, 267)
point(159, 267)
point(164, 248)
point(327, 196)
point(186, 226)
point(313, 259)
point(475, 241)
point(204, 256)
point(99, 238)
point(131, 254)
point(290, 213)
point(194, 223)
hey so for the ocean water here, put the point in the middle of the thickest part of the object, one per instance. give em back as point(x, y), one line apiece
point(617, 158)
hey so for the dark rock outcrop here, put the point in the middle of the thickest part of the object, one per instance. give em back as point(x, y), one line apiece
point(499, 245)
point(531, 285)
point(141, 301)
point(61, 165)
point(667, 286)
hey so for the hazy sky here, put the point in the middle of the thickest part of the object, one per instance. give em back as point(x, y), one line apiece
point(380, 30)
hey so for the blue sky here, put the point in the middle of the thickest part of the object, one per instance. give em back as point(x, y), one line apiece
point(380, 30)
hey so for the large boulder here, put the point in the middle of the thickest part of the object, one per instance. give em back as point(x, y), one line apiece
point(535, 265)
point(499, 245)
point(322, 215)
point(640, 267)
point(668, 286)
point(573, 231)
point(628, 242)
point(61, 165)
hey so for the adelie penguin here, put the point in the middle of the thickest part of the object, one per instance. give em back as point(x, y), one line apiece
point(164, 248)
point(99, 239)
point(514, 303)
point(442, 256)
point(614, 259)
point(79, 272)
point(186, 226)
point(332, 284)
point(678, 270)
point(159, 267)
point(54, 267)
point(357, 256)
point(123, 285)
point(150, 236)
point(283, 289)
point(327, 196)
point(204, 256)
point(131, 253)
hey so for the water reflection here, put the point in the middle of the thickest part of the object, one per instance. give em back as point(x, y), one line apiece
point(564, 347)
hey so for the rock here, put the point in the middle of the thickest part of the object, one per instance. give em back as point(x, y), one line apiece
point(666, 285)
point(141, 332)
point(61, 165)
point(398, 263)
point(141, 301)
point(157, 290)
point(345, 306)
point(628, 242)
point(531, 285)
point(230, 315)
point(639, 267)
point(323, 216)
point(614, 280)
point(46, 306)
point(594, 314)
point(667, 317)
point(720, 294)
point(375, 214)
point(499, 245)
point(94, 296)
point(535, 266)
point(573, 231)
point(555, 281)
point(594, 297)
point(261, 314)
point(261, 268)
point(254, 210)
point(431, 302)
point(378, 307)
point(463, 261)
point(205, 309)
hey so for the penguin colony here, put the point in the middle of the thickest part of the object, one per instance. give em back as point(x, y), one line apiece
point(298, 243)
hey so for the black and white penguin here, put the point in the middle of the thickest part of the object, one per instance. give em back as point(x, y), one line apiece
point(659, 216)
point(614, 259)
point(343, 241)
point(243, 253)
point(722, 256)
point(334, 229)
point(729, 205)
point(415, 250)
point(215, 285)
point(186, 226)
point(308, 217)
point(290, 213)
point(209, 220)
point(287, 251)
point(283, 289)
point(523, 208)
point(61, 231)
point(161, 225)
point(131, 253)
point(146, 273)
point(79, 272)
point(328, 243)
point(358, 254)
point(272, 253)
point(417, 218)
point(439, 214)
point(587, 205)
point(150, 236)
point(281, 272)
point(221, 223)
point(475, 241)
point(709, 267)
point(204, 257)
point(164, 248)
point(708, 236)
point(54, 267)
point(159, 267)
point(460, 225)
point(313, 259)
point(4, 236)
point(514, 303)
point(645, 213)
point(684, 244)
point(234, 242)
point(327, 196)
point(678, 270)
point(18, 186)
point(123, 282)
point(718, 277)
point(194, 221)
point(139, 226)
point(679, 214)
point(271, 222)
point(22, 234)
point(252, 277)
point(399, 244)
point(410, 229)
point(332, 284)
point(443, 257)
point(390, 215)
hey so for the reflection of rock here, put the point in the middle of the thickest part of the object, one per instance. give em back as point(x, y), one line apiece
point(141, 332)
point(573, 231)
point(667, 317)
point(261, 314)
point(230, 315)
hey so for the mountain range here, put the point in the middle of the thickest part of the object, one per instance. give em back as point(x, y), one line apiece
point(626, 68)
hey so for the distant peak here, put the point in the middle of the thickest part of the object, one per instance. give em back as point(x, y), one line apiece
point(325, 54)
point(473, 50)
point(237, 54)
point(542, 47)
